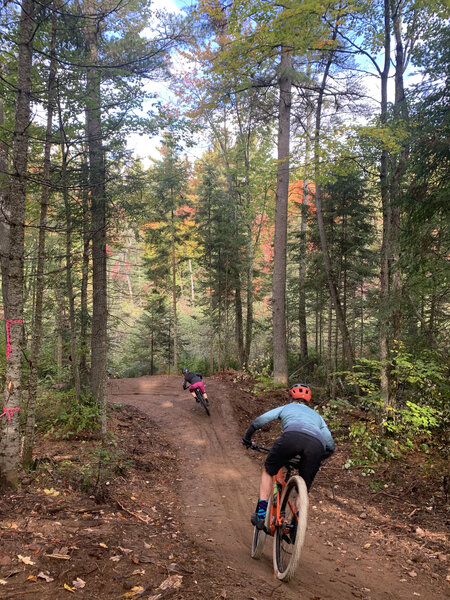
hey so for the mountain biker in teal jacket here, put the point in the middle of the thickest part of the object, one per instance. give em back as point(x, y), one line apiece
point(305, 434)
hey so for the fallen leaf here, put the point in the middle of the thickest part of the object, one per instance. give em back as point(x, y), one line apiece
point(115, 558)
point(51, 492)
point(58, 556)
point(25, 559)
point(103, 545)
point(173, 581)
point(78, 583)
point(135, 591)
point(47, 578)
point(68, 588)
point(147, 559)
point(367, 545)
point(3, 582)
point(31, 578)
point(138, 572)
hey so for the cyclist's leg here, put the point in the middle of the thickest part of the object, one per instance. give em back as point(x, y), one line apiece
point(201, 385)
point(280, 451)
point(192, 389)
point(265, 488)
point(311, 458)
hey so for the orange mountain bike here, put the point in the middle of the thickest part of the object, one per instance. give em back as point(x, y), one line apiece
point(286, 519)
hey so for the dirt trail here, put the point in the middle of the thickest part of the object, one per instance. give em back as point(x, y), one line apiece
point(218, 483)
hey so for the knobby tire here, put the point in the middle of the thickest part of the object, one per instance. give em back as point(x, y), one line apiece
point(205, 406)
point(259, 537)
point(201, 400)
point(289, 537)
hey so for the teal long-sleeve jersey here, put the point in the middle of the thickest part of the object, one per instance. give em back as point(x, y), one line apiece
point(297, 417)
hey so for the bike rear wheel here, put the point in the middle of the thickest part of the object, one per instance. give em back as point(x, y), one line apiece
point(202, 401)
point(259, 537)
point(205, 406)
point(289, 537)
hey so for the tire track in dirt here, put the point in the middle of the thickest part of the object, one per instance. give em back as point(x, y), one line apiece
point(218, 487)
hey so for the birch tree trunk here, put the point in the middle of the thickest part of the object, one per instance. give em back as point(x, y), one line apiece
point(9, 440)
point(4, 215)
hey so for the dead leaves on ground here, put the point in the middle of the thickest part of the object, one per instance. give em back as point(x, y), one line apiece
point(172, 582)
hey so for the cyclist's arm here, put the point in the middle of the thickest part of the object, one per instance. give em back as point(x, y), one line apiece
point(330, 445)
point(267, 417)
point(259, 422)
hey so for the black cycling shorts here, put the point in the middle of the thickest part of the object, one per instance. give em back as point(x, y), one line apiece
point(296, 443)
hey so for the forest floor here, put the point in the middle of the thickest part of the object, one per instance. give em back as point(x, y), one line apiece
point(173, 522)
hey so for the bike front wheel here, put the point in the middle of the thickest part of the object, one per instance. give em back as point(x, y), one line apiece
point(290, 535)
point(259, 537)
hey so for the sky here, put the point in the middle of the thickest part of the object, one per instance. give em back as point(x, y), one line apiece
point(145, 146)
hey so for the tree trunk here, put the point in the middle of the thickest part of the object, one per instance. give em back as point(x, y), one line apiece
point(9, 440)
point(98, 221)
point(348, 349)
point(84, 312)
point(280, 365)
point(69, 284)
point(303, 333)
point(239, 323)
point(386, 236)
point(4, 216)
point(400, 116)
point(37, 320)
point(191, 277)
point(174, 299)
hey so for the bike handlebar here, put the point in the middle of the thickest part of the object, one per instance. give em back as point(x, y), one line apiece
point(259, 448)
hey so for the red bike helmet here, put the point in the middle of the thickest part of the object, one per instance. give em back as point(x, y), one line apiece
point(300, 392)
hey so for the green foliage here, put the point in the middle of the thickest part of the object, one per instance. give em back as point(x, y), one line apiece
point(65, 418)
point(421, 377)
point(414, 423)
point(261, 371)
point(104, 463)
point(197, 364)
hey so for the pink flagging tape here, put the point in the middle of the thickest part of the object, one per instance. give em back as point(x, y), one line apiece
point(8, 412)
point(8, 344)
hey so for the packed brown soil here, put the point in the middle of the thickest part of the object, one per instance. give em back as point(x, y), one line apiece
point(171, 521)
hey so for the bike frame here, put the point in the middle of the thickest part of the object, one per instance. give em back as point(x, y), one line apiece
point(280, 481)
